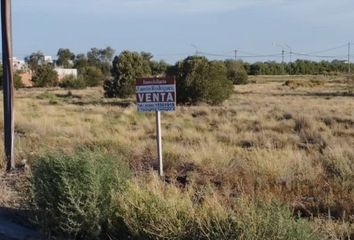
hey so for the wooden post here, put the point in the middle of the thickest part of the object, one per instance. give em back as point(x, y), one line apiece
point(159, 142)
point(8, 84)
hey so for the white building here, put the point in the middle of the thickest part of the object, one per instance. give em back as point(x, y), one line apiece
point(65, 72)
point(48, 59)
point(19, 65)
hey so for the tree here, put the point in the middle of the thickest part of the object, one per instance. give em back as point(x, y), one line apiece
point(35, 60)
point(96, 56)
point(199, 80)
point(92, 76)
point(101, 58)
point(65, 57)
point(255, 69)
point(81, 62)
point(192, 77)
point(236, 72)
point(93, 56)
point(126, 68)
point(45, 76)
point(158, 68)
point(219, 87)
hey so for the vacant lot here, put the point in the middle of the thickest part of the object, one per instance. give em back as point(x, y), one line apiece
point(288, 142)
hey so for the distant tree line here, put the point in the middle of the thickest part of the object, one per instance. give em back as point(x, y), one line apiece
point(299, 67)
point(93, 68)
point(198, 79)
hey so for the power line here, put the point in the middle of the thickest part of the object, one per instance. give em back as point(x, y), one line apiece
point(282, 54)
point(241, 56)
point(260, 56)
point(329, 49)
point(171, 54)
point(317, 56)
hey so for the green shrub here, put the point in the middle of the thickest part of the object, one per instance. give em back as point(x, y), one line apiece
point(45, 76)
point(247, 220)
point(92, 76)
point(156, 210)
point(236, 72)
point(153, 210)
point(199, 80)
point(241, 77)
point(70, 82)
point(126, 68)
point(110, 87)
point(71, 194)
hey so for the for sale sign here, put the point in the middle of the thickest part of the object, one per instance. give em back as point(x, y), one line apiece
point(156, 94)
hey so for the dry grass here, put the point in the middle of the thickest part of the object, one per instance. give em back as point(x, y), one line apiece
point(268, 140)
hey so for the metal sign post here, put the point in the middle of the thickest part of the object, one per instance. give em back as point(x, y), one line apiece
point(159, 142)
point(9, 125)
point(157, 95)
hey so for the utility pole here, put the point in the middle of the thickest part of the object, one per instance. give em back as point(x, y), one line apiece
point(282, 60)
point(282, 56)
point(291, 54)
point(349, 70)
point(235, 55)
point(9, 129)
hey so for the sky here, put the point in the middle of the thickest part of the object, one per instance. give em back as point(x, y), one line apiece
point(174, 29)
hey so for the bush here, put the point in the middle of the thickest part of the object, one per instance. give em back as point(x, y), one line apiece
point(126, 68)
point(45, 76)
point(18, 81)
point(250, 221)
point(160, 211)
point(199, 80)
point(110, 88)
point(236, 72)
point(71, 194)
point(70, 82)
point(241, 77)
point(156, 211)
point(92, 76)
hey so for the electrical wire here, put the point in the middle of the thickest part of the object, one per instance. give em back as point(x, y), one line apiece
point(329, 49)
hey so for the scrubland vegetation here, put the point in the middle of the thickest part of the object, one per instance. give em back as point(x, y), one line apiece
point(275, 161)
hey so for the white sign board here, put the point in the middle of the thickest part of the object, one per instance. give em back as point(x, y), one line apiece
point(156, 94)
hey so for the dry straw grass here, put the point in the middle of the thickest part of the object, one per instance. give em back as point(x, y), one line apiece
point(268, 140)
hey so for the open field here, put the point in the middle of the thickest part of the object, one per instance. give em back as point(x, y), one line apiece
point(292, 144)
